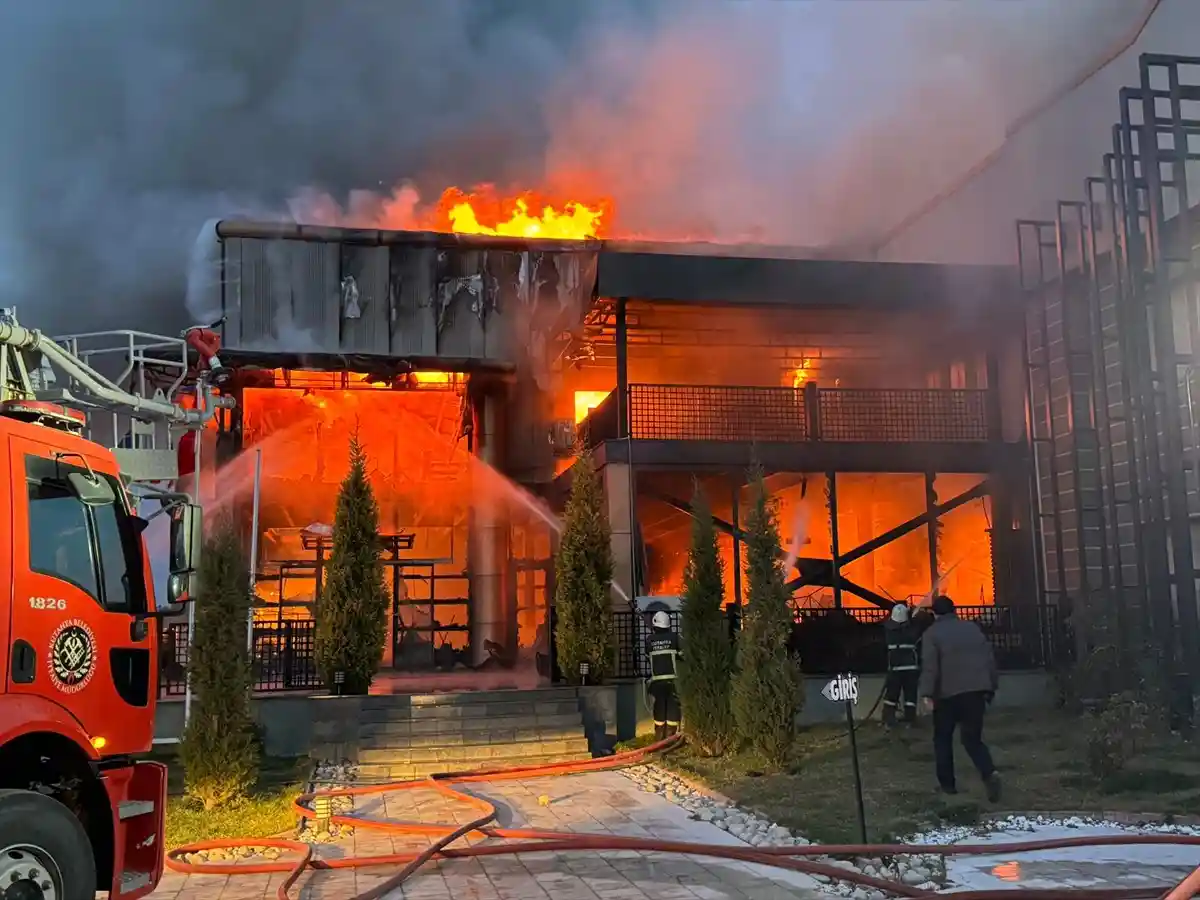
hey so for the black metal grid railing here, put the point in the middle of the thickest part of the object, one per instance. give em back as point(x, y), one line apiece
point(676, 412)
point(829, 641)
point(901, 415)
point(698, 413)
point(282, 657)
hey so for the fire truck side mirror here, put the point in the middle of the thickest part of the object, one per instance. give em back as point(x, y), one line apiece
point(187, 533)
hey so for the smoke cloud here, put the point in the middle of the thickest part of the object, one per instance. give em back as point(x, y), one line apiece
point(129, 123)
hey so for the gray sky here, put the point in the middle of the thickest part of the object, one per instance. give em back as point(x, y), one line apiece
point(128, 123)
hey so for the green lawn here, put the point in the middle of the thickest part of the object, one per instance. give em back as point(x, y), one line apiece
point(267, 812)
point(1041, 758)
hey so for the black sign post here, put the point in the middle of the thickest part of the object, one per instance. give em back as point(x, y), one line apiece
point(844, 689)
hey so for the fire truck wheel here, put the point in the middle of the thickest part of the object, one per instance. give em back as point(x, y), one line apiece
point(44, 852)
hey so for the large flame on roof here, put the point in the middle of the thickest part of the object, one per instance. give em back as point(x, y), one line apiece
point(527, 214)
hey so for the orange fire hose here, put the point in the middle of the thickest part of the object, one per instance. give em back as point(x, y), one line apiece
point(518, 840)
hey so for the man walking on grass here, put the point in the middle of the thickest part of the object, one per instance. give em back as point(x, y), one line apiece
point(958, 682)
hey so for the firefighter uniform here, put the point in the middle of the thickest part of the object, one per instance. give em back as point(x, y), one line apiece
point(903, 665)
point(663, 649)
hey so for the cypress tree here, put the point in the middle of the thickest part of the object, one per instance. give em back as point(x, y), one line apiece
point(352, 607)
point(219, 750)
point(706, 664)
point(583, 570)
point(767, 687)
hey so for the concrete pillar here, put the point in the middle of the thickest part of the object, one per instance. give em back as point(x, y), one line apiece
point(618, 499)
point(487, 546)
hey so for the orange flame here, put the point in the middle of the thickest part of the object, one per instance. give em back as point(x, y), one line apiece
point(525, 215)
point(1009, 871)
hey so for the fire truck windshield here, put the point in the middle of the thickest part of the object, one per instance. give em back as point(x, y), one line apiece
point(96, 548)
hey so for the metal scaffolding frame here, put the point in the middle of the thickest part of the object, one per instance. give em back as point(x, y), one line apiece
point(1113, 329)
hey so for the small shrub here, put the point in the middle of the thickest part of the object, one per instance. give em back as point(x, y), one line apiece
point(706, 665)
point(766, 687)
point(583, 569)
point(1115, 734)
point(352, 607)
point(219, 751)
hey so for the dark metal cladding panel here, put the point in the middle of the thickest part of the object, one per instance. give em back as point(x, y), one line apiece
point(411, 277)
point(247, 294)
point(311, 318)
point(406, 300)
point(501, 287)
point(458, 306)
point(364, 300)
point(280, 293)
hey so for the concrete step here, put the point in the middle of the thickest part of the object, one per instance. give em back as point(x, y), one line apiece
point(497, 709)
point(411, 771)
point(498, 734)
point(454, 755)
point(468, 698)
point(414, 728)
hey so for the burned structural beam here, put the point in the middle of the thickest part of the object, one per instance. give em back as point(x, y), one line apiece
point(819, 573)
point(719, 523)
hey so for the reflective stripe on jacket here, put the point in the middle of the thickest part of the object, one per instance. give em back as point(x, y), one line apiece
point(663, 649)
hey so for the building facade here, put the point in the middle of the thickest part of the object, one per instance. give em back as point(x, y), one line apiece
point(883, 402)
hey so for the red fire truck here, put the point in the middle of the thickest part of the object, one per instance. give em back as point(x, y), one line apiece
point(79, 812)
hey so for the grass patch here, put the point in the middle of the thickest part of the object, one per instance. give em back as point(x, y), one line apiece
point(637, 743)
point(268, 810)
point(1040, 757)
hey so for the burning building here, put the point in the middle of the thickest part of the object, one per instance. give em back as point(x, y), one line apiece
point(884, 402)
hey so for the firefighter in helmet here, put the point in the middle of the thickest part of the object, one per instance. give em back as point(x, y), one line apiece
point(662, 646)
point(903, 665)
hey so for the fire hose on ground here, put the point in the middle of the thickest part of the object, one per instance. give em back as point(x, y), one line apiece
point(524, 840)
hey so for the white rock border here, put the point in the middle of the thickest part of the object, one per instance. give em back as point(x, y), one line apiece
point(924, 872)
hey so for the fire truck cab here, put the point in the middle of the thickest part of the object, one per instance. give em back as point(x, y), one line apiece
point(79, 813)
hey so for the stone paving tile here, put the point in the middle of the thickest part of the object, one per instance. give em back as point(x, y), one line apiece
point(593, 803)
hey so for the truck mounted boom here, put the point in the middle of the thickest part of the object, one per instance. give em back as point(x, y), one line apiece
point(79, 813)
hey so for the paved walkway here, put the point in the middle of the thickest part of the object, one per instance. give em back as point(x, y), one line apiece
point(600, 802)
point(1131, 866)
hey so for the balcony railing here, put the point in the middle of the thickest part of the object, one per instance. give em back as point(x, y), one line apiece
point(674, 412)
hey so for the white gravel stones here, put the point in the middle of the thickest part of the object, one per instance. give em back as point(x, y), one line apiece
point(927, 872)
point(235, 854)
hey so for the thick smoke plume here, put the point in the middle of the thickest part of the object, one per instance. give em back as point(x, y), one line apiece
point(129, 123)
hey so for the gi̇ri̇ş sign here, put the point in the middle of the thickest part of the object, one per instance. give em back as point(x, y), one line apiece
point(841, 689)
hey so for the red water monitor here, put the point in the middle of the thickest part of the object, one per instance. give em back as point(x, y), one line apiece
point(78, 649)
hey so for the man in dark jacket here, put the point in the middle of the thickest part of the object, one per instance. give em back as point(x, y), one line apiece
point(958, 682)
point(903, 666)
